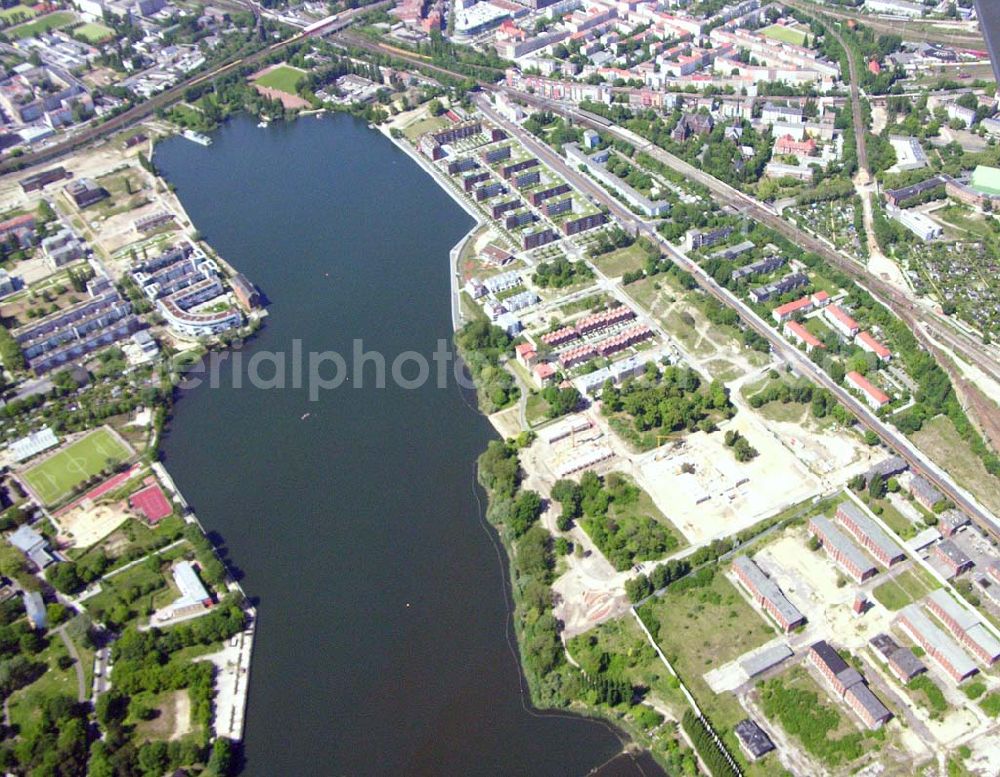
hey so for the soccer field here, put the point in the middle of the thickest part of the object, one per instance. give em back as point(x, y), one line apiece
point(93, 33)
point(283, 78)
point(58, 476)
point(785, 34)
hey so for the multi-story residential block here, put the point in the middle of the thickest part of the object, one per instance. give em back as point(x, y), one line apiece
point(953, 558)
point(966, 626)
point(848, 684)
point(583, 223)
point(776, 288)
point(840, 320)
point(760, 267)
point(793, 330)
point(842, 550)
point(874, 397)
point(868, 343)
point(767, 593)
point(800, 306)
point(538, 237)
point(869, 534)
point(541, 195)
point(935, 643)
point(70, 334)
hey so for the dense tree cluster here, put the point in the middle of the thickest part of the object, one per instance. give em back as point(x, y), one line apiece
point(561, 272)
point(742, 449)
point(674, 401)
point(560, 400)
point(804, 716)
point(482, 346)
point(712, 752)
point(608, 511)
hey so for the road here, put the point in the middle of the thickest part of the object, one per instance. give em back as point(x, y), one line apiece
point(907, 309)
point(781, 347)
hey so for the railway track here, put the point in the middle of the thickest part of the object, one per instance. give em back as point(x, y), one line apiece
point(893, 439)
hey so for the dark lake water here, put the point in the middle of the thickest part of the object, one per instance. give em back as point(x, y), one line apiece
point(383, 631)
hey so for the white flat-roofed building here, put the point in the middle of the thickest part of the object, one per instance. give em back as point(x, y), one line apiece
point(33, 444)
point(919, 224)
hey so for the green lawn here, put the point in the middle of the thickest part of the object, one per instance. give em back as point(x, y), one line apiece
point(785, 34)
point(418, 128)
point(904, 588)
point(702, 627)
point(45, 23)
point(939, 440)
point(93, 32)
point(283, 78)
point(20, 12)
point(622, 261)
point(57, 477)
point(26, 704)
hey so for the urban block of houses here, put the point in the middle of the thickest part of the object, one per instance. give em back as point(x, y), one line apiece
point(767, 594)
point(592, 382)
point(848, 684)
point(776, 288)
point(873, 395)
point(935, 643)
point(72, 333)
point(760, 267)
point(576, 156)
point(966, 626)
point(841, 549)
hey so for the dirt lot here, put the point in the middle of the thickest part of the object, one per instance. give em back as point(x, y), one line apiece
point(173, 721)
point(88, 524)
point(723, 496)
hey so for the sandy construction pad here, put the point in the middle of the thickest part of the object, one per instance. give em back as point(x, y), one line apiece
point(88, 523)
point(722, 496)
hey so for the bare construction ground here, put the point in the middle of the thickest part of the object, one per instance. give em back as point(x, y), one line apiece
point(722, 496)
point(88, 523)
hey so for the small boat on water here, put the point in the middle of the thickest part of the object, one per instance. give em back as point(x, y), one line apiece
point(305, 416)
point(197, 137)
point(262, 123)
